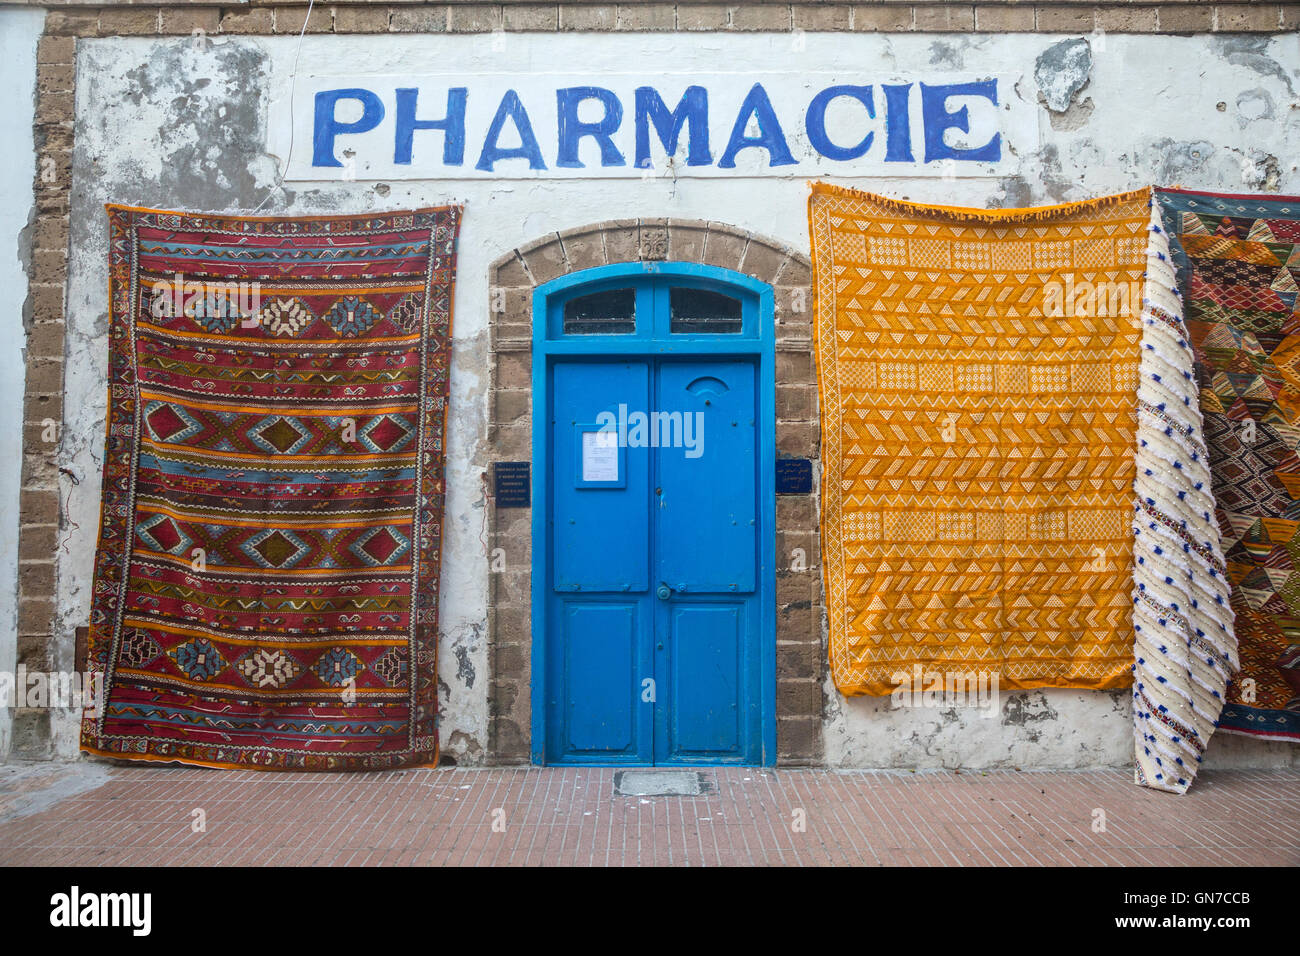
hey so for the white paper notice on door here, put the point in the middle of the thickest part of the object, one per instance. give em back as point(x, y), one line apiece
point(600, 456)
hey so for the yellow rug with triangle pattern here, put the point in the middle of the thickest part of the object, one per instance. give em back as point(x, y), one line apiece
point(978, 376)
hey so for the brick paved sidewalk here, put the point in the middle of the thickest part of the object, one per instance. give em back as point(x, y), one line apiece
point(92, 814)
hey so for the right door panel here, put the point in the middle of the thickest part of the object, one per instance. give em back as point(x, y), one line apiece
point(706, 536)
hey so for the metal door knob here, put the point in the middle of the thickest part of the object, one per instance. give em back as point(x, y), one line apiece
point(664, 592)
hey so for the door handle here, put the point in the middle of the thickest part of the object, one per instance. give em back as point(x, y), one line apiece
point(664, 592)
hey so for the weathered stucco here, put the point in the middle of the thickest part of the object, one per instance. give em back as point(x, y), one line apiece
point(182, 123)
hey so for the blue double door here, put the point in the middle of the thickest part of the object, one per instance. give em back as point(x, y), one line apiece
point(653, 616)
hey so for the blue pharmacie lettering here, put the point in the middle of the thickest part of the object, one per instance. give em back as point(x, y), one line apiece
point(843, 122)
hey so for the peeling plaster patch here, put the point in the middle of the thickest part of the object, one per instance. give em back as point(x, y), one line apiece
point(208, 141)
point(462, 745)
point(1254, 105)
point(1072, 118)
point(456, 681)
point(1015, 193)
point(1052, 177)
point(948, 54)
point(327, 200)
point(1260, 171)
point(1174, 161)
point(1061, 71)
point(1085, 154)
point(464, 666)
point(1023, 709)
point(888, 52)
point(468, 375)
point(1248, 51)
point(1272, 173)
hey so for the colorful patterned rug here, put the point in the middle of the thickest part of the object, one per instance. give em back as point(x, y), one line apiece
point(266, 583)
point(1238, 261)
point(1184, 646)
point(978, 374)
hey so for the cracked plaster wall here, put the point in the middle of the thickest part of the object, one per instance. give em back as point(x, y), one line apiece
point(179, 123)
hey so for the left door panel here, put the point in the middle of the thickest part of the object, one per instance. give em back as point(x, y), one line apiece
point(600, 618)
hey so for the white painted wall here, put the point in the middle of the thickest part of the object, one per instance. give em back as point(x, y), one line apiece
point(170, 124)
point(19, 31)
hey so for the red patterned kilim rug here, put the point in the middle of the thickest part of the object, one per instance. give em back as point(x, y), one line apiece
point(266, 582)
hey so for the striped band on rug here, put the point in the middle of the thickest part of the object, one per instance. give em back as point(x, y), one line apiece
point(266, 582)
point(1185, 649)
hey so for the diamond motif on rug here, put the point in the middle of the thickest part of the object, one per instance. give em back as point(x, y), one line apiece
point(352, 316)
point(268, 668)
point(380, 546)
point(170, 423)
point(285, 316)
point(198, 659)
point(212, 314)
point(139, 649)
point(275, 548)
point(337, 666)
point(406, 313)
point(391, 666)
point(387, 433)
point(162, 534)
point(281, 434)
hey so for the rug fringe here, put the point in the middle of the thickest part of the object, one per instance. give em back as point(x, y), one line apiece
point(906, 207)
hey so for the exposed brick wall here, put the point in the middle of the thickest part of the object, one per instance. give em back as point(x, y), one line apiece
point(43, 320)
point(892, 16)
point(799, 648)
